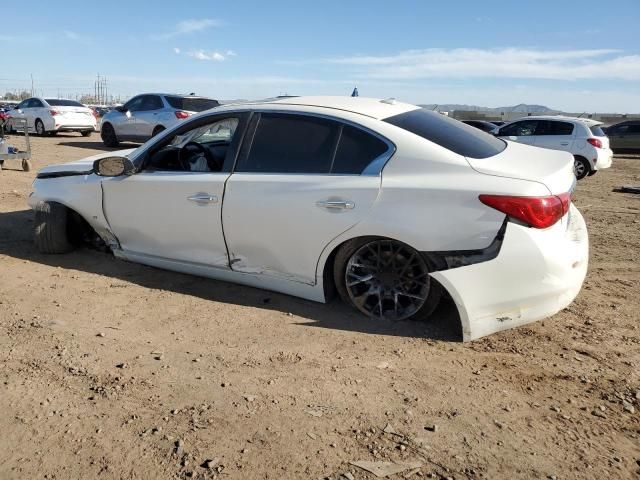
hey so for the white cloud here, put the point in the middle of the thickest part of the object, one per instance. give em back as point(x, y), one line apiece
point(215, 56)
point(176, 50)
point(187, 27)
point(492, 63)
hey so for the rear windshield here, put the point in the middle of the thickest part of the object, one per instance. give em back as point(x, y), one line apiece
point(597, 131)
point(192, 104)
point(57, 102)
point(449, 133)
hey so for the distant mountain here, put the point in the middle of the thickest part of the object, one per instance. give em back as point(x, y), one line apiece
point(522, 108)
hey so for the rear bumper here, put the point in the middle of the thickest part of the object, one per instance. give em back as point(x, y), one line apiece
point(536, 274)
point(75, 128)
point(605, 158)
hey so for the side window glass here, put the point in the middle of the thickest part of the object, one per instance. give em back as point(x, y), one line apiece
point(356, 150)
point(286, 143)
point(151, 102)
point(520, 129)
point(22, 105)
point(35, 103)
point(135, 105)
point(200, 149)
point(28, 103)
point(552, 127)
point(633, 129)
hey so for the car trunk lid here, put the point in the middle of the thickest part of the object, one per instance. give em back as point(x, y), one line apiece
point(553, 168)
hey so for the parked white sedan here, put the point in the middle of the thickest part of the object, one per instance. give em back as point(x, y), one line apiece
point(389, 204)
point(52, 115)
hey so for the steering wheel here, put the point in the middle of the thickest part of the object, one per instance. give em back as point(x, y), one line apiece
point(211, 160)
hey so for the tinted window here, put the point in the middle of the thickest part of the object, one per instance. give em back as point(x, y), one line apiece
point(58, 102)
point(356, 150)
point(552, 127)
point(633, 129)
point(291, 144)
point(597, 131)
point(134, 104)
point(151, 102)
point(192, 104)
point(35, 103)
point(524, 128)
point(448, 133)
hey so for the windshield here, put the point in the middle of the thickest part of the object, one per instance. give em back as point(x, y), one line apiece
point(192, 104)
point(597, 131)
point(221, 131)
point(449, 133)
point(58, 102)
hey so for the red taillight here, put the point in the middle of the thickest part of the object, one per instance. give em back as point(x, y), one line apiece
point(538, 212)
point(181, 115)
point(54, 113)
point(596, 142)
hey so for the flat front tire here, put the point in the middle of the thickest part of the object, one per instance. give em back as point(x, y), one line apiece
point(50, 235)
point(385, 279)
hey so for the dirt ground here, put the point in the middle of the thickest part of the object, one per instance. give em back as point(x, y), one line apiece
point(114, 370)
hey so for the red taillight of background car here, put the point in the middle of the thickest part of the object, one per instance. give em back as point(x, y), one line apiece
point(538, 212)
point(181, 115)
point(596, 142)
point(54, 112)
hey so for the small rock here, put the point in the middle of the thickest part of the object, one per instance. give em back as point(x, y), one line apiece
point(348, 476)
point(196, 360)
point(101, 334)
point(209, 464)
point(159, 357)
point(121, 365)
point(383, 365)
point(555, 409)
point(598, 413)
point(431, 427)
point(332, 445)
point(628, 407)
point(249, 398)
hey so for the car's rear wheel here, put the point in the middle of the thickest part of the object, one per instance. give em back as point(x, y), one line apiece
point(581, 167)
point(86, 133)
point(51, 235)
point(40, 128)
point(108, 135)
point(157, 130)
point(385, 279)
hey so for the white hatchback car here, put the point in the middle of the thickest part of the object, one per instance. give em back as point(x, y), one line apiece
point(48, 116)
point(582, 137)
point(387, 203)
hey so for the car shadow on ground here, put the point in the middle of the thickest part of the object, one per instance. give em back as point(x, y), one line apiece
point(16, 240)
point(99, 146)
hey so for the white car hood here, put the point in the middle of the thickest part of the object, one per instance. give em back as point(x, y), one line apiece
point(85, 164)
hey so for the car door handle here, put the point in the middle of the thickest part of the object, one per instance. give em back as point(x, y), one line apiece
point(203, 198)
point(336, 204)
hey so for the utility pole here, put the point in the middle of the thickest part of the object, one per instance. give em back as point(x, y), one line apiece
point(32, 84)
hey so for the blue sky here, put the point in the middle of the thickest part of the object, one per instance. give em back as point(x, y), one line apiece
point(576, 56)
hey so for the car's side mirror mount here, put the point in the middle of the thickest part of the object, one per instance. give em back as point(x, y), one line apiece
point(113, 167)
point(121, 109)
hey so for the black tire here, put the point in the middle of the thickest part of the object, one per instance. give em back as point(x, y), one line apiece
point(351, 247)
point(157, 130)
point(40, 131)
point(592, 173)
point(86, 133)
point(108, 135)
point(581, 167)
point(51, 228)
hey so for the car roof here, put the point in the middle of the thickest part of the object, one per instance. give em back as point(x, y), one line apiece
point(183, 95)
point(562, 118)
point(370, 107)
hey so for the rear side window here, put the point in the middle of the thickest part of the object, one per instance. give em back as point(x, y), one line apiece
point(552, 127)
point(448, 133)
point(356, 150)
point(597, 131)
point(151, 102)
point(58, 102)
point(192, 104)
point(291, 144)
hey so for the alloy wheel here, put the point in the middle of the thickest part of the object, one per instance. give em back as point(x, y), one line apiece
point(387, 279)
point(579, 168)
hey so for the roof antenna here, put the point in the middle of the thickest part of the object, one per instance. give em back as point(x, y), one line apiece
point(355, 92)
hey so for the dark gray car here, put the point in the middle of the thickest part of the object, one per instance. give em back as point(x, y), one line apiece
point(624, 136)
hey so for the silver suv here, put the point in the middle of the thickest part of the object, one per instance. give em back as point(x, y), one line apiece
point(148, 114)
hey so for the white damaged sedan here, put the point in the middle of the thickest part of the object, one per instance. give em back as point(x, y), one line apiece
point(388, 204)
